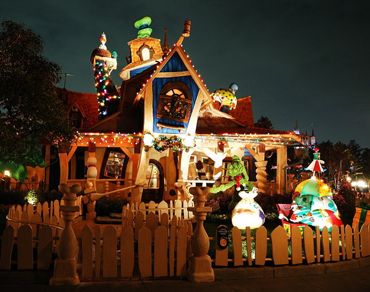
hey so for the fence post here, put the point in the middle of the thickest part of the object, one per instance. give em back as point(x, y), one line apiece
point(65, 267)
point(200, 266)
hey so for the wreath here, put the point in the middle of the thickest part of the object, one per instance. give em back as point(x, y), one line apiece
point(163, 143)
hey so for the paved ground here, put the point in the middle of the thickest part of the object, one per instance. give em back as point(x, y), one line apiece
point(344, 276)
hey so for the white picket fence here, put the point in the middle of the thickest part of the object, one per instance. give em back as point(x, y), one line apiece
point(177, 208)
point(153, 248)
point(344, 243)
point(26, 242)
point(45, 213)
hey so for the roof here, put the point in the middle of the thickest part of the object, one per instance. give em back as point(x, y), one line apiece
point(85, 102)
point(243, 111)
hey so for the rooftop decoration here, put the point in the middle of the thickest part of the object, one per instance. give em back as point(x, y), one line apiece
point(143, 27)
point(225, 98)
point(104, 62)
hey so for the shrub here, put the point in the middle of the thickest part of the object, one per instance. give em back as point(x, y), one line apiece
point(345, 200)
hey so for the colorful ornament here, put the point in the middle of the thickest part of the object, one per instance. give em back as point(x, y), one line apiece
point(315, 165)
point(313, 204)
point(226, 98)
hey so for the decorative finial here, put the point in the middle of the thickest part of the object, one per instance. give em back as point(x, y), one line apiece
point(187, 27)
point(103, 40)
point(144, 31)
point(165, 47)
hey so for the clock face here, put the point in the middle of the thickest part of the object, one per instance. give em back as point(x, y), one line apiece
point(174, 104)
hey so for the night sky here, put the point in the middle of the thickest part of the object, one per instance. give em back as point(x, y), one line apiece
point(301, 60)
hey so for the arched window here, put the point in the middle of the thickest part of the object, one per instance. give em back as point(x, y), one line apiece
point(152, 177)
point(175, 102)
point(75, 117)
point(145, 53)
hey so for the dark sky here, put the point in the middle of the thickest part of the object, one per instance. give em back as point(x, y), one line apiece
point(301, 60)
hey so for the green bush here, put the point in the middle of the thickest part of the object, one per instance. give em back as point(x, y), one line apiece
point(345, 200)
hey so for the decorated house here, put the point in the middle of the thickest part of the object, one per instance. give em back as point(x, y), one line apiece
point(162, 130)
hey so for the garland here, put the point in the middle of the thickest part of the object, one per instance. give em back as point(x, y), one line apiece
point(163, 143)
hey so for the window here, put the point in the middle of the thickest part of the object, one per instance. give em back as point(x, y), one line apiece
point(145, 53)
point(114, 164)
point(75, 117)
point(175, 102)
point(152, 177)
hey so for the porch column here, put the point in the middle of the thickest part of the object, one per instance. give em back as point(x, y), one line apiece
point(63, 164)
point(261, 164)
point(90, 187)
point(281, 169)
point(65, 267)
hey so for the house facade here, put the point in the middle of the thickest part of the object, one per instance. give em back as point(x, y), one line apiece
point(164, 131)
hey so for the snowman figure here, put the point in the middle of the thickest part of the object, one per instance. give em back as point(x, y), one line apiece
point(247, 213)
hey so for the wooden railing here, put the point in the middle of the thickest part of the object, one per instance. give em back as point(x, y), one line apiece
point(344, 243)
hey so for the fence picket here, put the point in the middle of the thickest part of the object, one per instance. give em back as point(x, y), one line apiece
point(45, 212)
point(335, 243)
point(127, 252)
point(318, 244)
point(356, 241)
point(309, 249)
point(56, 209)
point(325, 244)
point(248, 240)
point(97, 252)
point(109, 252)
point(151, 207)
point(349, 244)
point(178, 208)
point(29, 210)
point(142, 208)
point(364, 239)
point(343, 240)
point(172, 248)
point(279, 243)
point(160, 252)
point(39, 208)
point(162, 208)
point(25, 251)
point(87, 253)
point(261, 246)
point(45, 247)
point(145, 252)
point(152, 222)
point(185, 209)
point(7, 242)
point(296, 240)
point(237, 246)
point(139, 222)
point(181, 244)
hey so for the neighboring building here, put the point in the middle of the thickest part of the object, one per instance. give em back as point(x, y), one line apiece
point(164, 131)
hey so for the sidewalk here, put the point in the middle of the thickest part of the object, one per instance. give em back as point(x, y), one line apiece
point(342, 276)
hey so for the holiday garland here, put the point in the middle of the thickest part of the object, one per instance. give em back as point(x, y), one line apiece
point(163, 143)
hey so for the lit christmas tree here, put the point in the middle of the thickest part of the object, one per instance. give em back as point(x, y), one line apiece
point(104, 62)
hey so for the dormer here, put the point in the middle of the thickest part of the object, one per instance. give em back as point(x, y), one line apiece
point(145, 51)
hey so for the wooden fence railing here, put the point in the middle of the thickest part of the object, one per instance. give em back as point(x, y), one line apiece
point(177, 208)
point(156, 248)
point(344, 243)
point(27, 239)
point(48, 213)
